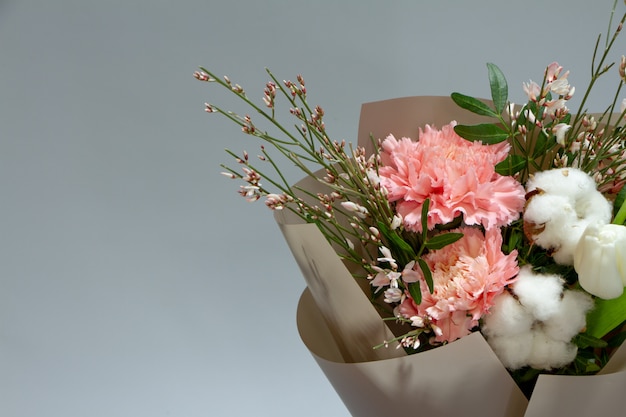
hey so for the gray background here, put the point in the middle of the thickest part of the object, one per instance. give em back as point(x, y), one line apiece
point(134, 281)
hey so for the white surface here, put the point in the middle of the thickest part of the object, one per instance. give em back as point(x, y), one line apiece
point(133, 279)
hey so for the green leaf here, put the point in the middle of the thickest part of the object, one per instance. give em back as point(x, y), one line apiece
point(619, 200)
point(567, 119)
point(488, 133)
point(583, 340)
point(606, 316)
point(416, 292)
point(428, 276)
point(542, 144)
point(511, 165)
point(585, 365)
point(617, 340)
point(499, 87)
point(473, 104)
point(425, 208)
point(439, 241)
point(402, 245)
point(514, 239)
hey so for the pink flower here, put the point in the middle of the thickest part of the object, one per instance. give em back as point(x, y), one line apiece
point(457, 175)
point(467, 276)
point(553, 71)
point(532, 90)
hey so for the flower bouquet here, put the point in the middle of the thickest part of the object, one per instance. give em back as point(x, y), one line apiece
point(466, 256)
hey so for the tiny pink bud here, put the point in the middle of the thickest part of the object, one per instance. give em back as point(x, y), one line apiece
point(202, 76)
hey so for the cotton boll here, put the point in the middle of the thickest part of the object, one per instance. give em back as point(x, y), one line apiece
point(548, 221)
point(565, 203)
point(571, 182)
point(571, 317)
point(547, 353)
point(594, 208)
point(549, 209)
point(506, 317)
point(540, 294)
point(513, 351)
point(570, 237)
point(555, 223)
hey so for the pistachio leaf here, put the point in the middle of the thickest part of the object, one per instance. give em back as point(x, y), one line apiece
point(499, 87)
point(425, 208)
point(488, 133)
point(511, 165)
point(442, 240)
point(473, 104)
point(428, 276)
point(416, 292)
point(542, 144)
point(583, 341)
point(396, 240)
point(619, 200)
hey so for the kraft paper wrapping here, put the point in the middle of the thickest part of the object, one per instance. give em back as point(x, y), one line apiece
point(339, 326)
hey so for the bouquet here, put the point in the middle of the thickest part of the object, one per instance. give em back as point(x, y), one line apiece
point(506, 229)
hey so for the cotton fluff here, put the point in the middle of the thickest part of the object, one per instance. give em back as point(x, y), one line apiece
point(539, 294)
point(571, 182)
point(571, 317)
point(548, 353)
point(507, 317)
point(562, 203)
point(558, 225)
point(513, 351)
point(534, 325)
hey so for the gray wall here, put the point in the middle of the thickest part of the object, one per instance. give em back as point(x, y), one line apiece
point(134, 281)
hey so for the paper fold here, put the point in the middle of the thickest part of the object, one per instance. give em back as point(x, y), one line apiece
point(453, 380)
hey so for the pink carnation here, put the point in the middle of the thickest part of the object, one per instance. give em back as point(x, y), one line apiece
point(467, 276)
point(457, 175)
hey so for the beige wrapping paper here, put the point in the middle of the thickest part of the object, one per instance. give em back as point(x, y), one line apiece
point(339, 325)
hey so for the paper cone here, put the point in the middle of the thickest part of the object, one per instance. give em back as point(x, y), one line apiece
point(339, 325)
point(463, 378)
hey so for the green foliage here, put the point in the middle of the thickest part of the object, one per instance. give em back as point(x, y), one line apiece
point(442, 240)
point(585, 340)
point(606, 316)
point(396, 243)
point(472, 104)
point(499, 87)
point(415, 291)
point(424, 218)
point(486, 133)
point(428, 276)
point(511, 165)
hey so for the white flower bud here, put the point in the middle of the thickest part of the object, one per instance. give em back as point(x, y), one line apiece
point(393, 295)
point(559, 131)
point(396, 222)
point(600, 260)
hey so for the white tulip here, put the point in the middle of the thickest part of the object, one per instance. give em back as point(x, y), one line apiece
point(600, 260)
